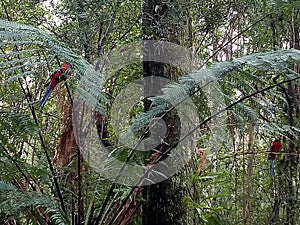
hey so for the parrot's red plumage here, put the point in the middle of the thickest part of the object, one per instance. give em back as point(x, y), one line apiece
point(275, 147)
point(56, 77)
point(65, 66)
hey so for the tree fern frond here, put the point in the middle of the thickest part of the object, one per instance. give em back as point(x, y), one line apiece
point(17, 53)
point(20, 42)
point(274, 61)
point(270, 129)
point(13, 202)
point(252, 76)
point(19, 61)
point(277, 61)
point(14, 35)
point(20, 75)
point(291, 130)
point(17, 125)
point(247, 112)
point(6, 186)
point(267, 110)
point(239, 120)
point(27, 65)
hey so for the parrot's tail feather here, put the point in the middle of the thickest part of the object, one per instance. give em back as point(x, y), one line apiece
point(46, 96)
point(272, 167)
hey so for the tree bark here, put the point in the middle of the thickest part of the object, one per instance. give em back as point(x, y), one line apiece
point(292, 199)
point(249, 190)
point(163, 201)
point(292, 209)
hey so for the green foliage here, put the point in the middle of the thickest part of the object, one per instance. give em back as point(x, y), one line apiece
point(88, 30)
point(16, 127)
point(27, 11)
point(13, 202)
point(205, 203)
point(277, 62)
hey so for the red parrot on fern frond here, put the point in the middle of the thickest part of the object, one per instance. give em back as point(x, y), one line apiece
point(275, 147)
point(56, 77)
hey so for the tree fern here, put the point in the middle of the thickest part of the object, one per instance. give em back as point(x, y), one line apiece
point(14, 201)
point(21, 43)
point(274, 61)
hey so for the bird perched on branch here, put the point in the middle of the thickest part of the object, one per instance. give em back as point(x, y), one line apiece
point(56, 77)
point(275, 147)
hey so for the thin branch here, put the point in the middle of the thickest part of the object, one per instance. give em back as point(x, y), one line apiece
point(5, 10)
point(51, 167)
point(239, 34)
point(108, 30)
point(110, 192)
point(126, 32)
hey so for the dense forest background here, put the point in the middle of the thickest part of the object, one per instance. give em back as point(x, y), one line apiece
point(238, 67)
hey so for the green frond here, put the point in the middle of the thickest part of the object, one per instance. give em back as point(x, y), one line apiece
point(239, 120)
point(19, 61)
point(13, 35)
point(274, 61)
point(271, 128)
point(6, 186)
point(23, 34)
point(20, 42)
point(25, 66)
point(17, 53)
point(20, 75)
point(13, 202)
point(247, 112)
point(277, 61)
point(15, 125)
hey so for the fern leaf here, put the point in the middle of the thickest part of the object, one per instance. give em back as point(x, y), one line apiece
point(16, 53)
point(27, 66)
point(6, 186)
point(13, 202)
point(275, 61)
point(19, 61)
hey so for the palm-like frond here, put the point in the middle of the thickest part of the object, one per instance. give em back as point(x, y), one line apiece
point(16, 127)
point(14, 201)
point(277, 62)
point(7, 186)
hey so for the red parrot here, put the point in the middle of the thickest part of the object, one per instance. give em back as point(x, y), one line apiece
point(56, 77)
point(275, 147)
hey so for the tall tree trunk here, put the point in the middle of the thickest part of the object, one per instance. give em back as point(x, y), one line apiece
point(292, 216)
point(249, 190)
point(292, 199)
point(287, 184)
point(163, 201)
